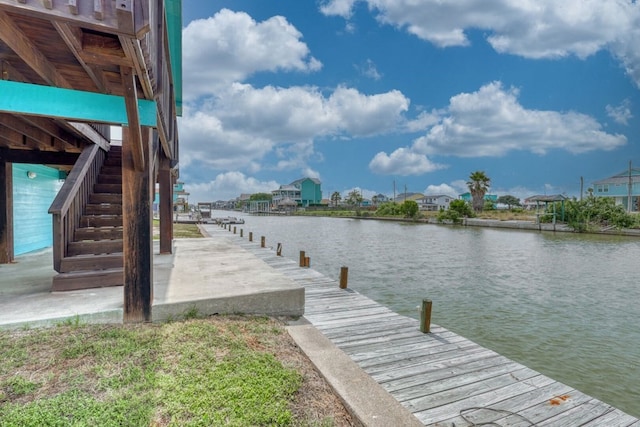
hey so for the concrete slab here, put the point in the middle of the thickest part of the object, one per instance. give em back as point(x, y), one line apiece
point(210, 275)
point(365, 399)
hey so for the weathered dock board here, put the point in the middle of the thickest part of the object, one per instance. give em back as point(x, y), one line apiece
point(444, 379)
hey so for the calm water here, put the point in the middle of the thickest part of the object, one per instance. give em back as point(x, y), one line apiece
point(566, 305)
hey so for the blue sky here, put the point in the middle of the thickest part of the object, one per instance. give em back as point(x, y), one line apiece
point(362, 94)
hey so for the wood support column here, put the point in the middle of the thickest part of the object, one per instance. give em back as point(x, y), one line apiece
point(165, 206)
point(6, 211)
point(137, 196)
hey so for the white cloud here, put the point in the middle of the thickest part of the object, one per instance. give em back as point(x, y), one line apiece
point(369, 70)
point(491, 122)
point(528, 28)
point(620, 114)
point(231, 46)
point(444, 189)
point(242, 124)
point(403, 162)
point(228, 186)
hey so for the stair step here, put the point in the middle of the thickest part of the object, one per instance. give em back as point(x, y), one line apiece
point(108, 188)
point(91, 262)
point(88, 279)
point(109, 179)
point(95, 247)
point(115, 198)
point(100, 221)
point(111, 170)
point(102, 209)
point(98, 233)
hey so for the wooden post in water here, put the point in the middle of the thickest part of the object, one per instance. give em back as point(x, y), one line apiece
point(251, 236)
point(262, 241)
point(241, 230)
point(279, 249)
point(234, 229)
point(301, 258)
point(307, 261)
point(425, 316)
point(344, 277)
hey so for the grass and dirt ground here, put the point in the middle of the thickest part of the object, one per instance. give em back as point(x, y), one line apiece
point(214, 371)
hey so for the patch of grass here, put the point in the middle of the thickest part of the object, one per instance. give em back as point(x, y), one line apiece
point(218, 371)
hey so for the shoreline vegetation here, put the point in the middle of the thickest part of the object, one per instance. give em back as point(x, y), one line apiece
point(603, 220)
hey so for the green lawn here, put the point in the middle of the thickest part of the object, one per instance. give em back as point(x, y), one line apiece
point(220, 371)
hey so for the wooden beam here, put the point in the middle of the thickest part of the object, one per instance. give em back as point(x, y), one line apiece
point(165, 207)
point(6, 210)
point(45, 141)
point(72, 36)
point(133, 116)
point(90, 133)
point(55, 129)
point(76, 105)
point(39, 157)
point(137, 232)
point(20, 43)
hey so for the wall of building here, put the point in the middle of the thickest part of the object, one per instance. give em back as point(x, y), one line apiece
point(32, 197)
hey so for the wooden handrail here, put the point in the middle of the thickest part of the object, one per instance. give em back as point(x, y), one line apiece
point(68, 205)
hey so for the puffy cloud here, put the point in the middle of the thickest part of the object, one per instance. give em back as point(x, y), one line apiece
point(242, 124)
point(228, 186)
point(620, 114)
point(369, 70)
point(445, 189)
point(528, 28)
point(491, 122)
point(402, 161)
point(231, 46)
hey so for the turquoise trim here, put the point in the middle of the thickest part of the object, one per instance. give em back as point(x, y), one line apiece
point(27, 98)
point(173, 13)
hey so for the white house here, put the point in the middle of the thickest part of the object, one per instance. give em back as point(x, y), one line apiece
point(434, 202)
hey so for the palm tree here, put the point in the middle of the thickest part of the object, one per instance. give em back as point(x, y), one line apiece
point(478, 185)
point(335, 198)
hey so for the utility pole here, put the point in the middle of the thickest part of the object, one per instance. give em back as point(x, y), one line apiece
point(581, 187)
point(629, 191)
point(394, 191)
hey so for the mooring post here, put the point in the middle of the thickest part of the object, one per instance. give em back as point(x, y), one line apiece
point(262, 241)
point(307, 261)
point(279, 249)
point(241, 230)
point(251, 236)
point(425, 316)
point(234, 229)
point(344, 277)
point(301, 258)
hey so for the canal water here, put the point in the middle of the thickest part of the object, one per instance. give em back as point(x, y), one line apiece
point(567, 305)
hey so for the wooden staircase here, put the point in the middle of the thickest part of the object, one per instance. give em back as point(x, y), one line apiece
point(94, 257)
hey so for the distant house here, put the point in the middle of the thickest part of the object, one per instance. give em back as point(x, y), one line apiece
point(435, 202)
point(623, 187)
point(379, 199)
point(487, 197)
point(305, 192)
point(408, 196)
point(180, 198)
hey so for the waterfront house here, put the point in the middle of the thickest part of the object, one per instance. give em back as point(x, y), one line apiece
point(408, 196)
point(69, 71)
point(487, 197)
point(305, 192)
point(623, 187)
point(435, 202)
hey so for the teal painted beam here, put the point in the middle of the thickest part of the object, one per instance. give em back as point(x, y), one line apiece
point(48, 101)
point(173, 12)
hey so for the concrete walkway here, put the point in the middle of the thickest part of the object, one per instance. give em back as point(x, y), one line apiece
point(210, 275)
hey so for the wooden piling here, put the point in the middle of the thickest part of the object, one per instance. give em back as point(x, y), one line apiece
point(279, 249)
point(234, 229)
point(307, 261)
point(301, 258)
point(262, 241)
point(344, 277)
point(241, 230)
point(425, 316)
point(251, 236)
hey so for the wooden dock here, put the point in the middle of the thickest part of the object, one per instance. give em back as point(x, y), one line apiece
point(443, 378)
